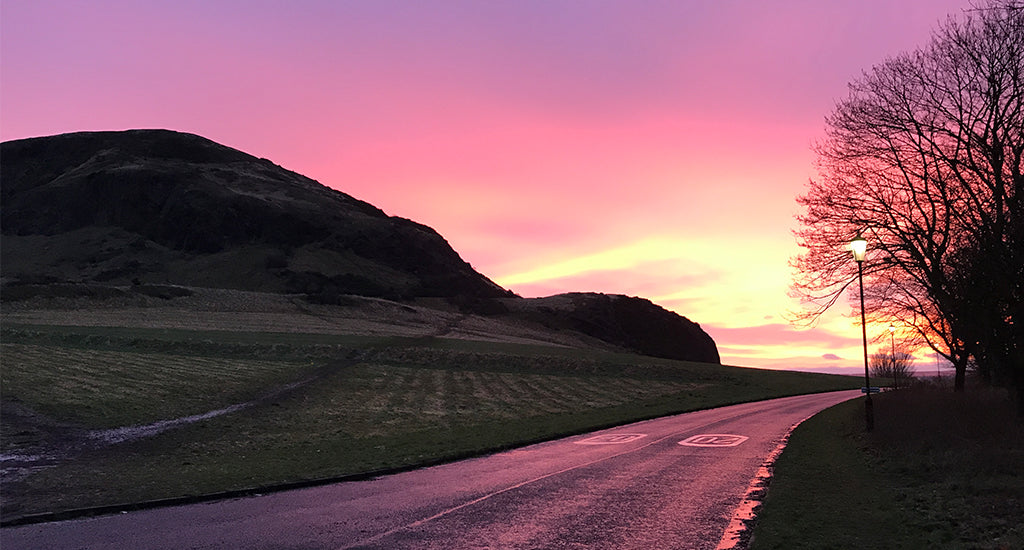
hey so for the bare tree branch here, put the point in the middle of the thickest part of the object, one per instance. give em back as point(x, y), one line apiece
point(923, 158)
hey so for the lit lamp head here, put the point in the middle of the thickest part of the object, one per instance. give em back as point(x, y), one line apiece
point(892, 328)
point(859, 245)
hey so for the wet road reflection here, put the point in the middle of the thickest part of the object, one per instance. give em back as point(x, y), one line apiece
point(636, 486)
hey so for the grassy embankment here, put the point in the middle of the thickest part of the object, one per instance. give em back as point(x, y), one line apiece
point(939, 471)
point(364, 404)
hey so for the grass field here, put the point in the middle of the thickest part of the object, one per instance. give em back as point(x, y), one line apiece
point(318, 405)
point(940, 471)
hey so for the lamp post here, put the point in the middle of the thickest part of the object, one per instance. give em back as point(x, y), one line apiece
point(892, 341)
point(859, 245)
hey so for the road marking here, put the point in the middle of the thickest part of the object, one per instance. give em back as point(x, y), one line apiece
point(610, 439)
point(714, 440)
point(379, 536)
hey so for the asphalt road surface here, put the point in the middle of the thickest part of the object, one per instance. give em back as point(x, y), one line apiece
point(672, 482)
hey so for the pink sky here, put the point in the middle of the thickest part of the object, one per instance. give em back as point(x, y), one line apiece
point(649, 148)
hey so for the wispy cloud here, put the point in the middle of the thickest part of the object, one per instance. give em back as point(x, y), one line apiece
point(620, 259)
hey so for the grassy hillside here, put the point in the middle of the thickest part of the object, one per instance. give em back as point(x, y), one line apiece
point(309, 406)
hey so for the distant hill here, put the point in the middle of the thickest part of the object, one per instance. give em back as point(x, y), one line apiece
point(156, 207)
point(633, 323)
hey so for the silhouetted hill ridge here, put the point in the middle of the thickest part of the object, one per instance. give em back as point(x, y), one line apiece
point(195, 197)
point(628, 321)
point(158, 207)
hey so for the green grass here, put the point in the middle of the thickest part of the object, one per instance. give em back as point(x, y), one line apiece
point(372, 404)
point(940, 471)
point(105, 389)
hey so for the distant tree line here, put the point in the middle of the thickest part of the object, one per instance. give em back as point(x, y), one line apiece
point(923, 158)
point(897, 367)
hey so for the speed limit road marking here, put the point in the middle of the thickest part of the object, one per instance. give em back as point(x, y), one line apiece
point(714, 440)
point(610, 439)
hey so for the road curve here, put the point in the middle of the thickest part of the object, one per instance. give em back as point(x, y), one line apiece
point(635, 486)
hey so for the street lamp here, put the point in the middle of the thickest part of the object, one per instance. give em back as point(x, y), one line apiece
point(892, 341)
point(859, 245)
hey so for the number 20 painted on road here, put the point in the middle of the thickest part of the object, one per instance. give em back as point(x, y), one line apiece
point(714, 440)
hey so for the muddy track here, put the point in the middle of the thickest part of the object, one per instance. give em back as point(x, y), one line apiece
point(32, 441)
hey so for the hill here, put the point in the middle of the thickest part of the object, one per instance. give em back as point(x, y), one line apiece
point(166, 207)
point(95, 216)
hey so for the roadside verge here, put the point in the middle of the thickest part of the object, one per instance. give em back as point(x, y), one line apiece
point(940, 471)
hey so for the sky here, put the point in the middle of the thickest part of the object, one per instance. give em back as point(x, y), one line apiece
point(638, 147)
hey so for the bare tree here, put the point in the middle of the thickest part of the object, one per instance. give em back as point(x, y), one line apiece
point(924, 159)
point(897, 366)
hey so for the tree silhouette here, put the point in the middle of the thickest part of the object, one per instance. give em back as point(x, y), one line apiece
point(923, 158)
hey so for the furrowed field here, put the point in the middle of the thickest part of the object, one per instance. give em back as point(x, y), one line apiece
point(99, 416)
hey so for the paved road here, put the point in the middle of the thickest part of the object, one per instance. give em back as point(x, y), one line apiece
point(634, 486)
